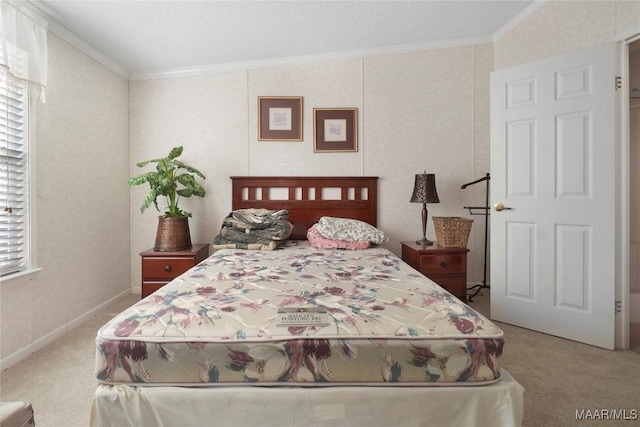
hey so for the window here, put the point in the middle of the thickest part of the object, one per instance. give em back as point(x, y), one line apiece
point(23, 78)
point(14, 197)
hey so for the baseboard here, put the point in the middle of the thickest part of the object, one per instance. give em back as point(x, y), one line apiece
point(52, 336)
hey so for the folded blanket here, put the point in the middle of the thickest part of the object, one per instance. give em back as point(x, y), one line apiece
point(279, 233)
point(220, 242)
point(258, 218)
point(274, 229)
point(253, 229)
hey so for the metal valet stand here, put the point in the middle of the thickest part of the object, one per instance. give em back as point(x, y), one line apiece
point(484, 210)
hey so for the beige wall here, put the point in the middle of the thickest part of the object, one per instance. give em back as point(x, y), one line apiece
point(428, 111)
point(417, 111)
point(82, 208)
point(564, 26)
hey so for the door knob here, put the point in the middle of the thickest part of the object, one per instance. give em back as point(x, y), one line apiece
point(500, 207)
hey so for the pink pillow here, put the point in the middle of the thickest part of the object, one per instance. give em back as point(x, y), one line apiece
point(317, 241)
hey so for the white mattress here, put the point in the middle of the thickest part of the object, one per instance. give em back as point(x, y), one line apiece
point(216, 325)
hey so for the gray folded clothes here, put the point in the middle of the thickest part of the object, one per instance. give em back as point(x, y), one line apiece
point(220, 242)
point(280, 231)
point(254, 229)
point(257, 218)
point(271, 229)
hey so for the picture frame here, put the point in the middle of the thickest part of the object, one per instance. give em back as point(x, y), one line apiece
point(335, 130)
point(280, 118)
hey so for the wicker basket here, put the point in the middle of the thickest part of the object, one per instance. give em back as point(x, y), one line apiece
point(452, 231)
point(172, 234)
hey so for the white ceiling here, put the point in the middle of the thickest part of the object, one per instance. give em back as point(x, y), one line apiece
point(153, 36)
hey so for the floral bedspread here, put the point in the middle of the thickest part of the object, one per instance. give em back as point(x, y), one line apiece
point(216, 325)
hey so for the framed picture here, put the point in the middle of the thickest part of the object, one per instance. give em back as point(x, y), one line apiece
point(280, 118)
point(335, 130)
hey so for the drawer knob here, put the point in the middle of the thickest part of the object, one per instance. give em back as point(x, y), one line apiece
point(444, 264)
point(167, 268)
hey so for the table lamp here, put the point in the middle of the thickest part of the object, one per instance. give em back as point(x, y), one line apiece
point(424, 191)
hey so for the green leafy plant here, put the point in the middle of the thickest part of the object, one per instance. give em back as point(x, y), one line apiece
point(170, 173)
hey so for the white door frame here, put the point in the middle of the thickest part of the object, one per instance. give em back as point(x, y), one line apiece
point(623, 194)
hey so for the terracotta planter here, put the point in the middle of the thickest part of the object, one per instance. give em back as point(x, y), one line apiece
point(173, 234)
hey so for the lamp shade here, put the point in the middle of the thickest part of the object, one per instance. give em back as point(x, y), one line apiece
point(424, 189)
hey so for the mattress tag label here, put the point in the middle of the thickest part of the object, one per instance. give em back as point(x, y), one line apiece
point(302, 316)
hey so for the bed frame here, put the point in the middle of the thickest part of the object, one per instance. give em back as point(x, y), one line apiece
point(309, 198)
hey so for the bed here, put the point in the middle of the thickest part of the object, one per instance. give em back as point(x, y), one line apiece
point(217, 346)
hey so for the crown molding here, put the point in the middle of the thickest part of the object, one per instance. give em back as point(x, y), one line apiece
point(529, 11)
point(304, 60)
point(67, 35)
point(41, 10)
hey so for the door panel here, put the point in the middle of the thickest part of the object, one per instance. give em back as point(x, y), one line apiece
point(520, 260)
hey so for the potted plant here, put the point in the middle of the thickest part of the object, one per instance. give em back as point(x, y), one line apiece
point(172, 180)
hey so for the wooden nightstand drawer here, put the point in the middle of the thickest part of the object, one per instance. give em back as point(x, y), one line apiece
point(454, 284)
point(159, 268)
point(165, 268)
point(150, 287)
point(443, 264)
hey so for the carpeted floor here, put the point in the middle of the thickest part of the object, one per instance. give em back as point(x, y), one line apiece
point(560, 377)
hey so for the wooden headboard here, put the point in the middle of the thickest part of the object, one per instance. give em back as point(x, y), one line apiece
point(307, 198)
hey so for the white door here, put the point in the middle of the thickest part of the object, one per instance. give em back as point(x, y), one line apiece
point(553, 168)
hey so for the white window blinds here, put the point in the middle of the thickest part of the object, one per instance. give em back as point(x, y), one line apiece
point(13, 178)
point(23, 72)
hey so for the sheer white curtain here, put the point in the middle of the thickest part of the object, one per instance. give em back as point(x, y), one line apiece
point(23, 48)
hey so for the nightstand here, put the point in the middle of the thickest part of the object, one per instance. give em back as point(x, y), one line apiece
point(445, 266)
point(159, 268)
